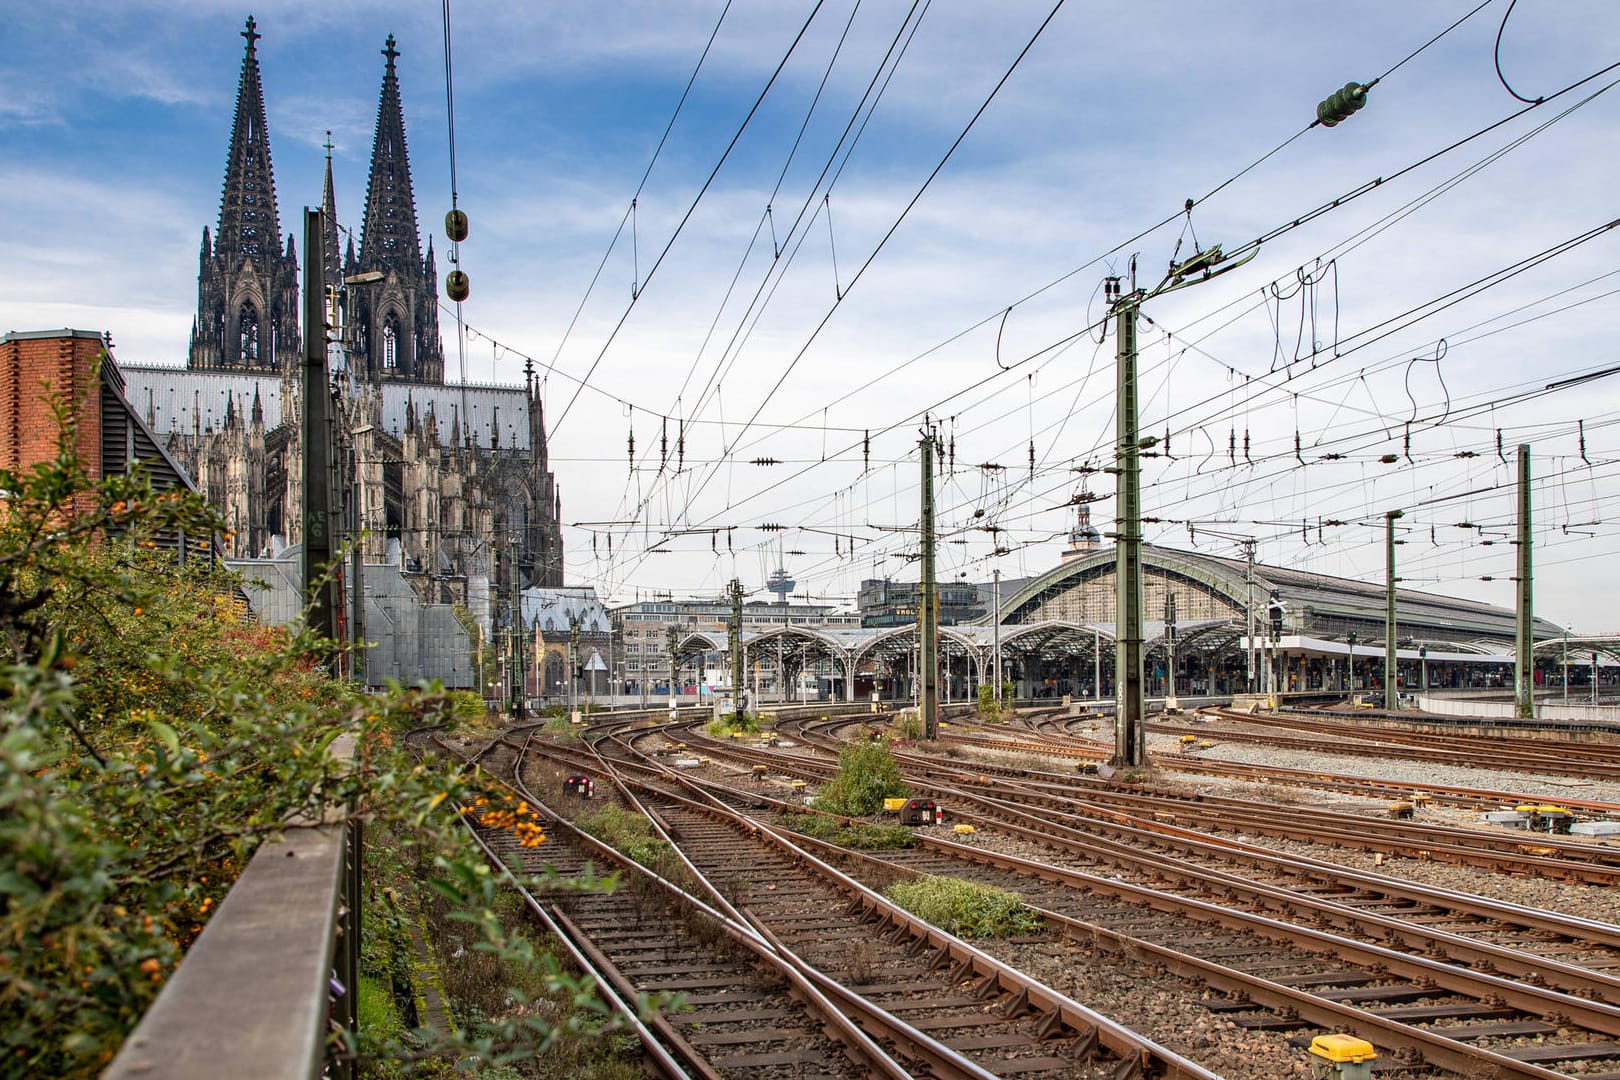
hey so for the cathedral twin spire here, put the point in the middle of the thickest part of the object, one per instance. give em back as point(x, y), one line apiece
point(249, 225)
point(247, 295)
point(389, 238)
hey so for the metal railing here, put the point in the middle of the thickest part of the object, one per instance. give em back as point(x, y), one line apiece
point(272, 977)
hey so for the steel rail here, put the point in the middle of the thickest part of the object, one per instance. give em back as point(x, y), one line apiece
point(1604, 1018)
point(1435, 1049)
point(1108, 1033)
point(1456, 795)
point(1555, 856)
point(1139, 832)
point(857, 1043)
point(609, 980)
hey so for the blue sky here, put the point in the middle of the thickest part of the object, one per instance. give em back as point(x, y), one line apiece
point(113, 160)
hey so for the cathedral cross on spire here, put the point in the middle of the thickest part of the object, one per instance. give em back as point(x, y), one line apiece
point(328, 144)
point(250, 33)
point(388, 50)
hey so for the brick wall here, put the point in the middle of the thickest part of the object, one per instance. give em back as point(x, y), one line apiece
point(34, 367)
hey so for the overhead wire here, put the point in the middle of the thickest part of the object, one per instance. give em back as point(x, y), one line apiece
point(1262, 159)
point(895, 226)
point(640, 187)
point(692, 208)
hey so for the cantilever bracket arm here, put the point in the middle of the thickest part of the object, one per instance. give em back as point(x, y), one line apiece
point(1172, 282)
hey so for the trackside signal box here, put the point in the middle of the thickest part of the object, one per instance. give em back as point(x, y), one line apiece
point(921, 812)
point(582, 786)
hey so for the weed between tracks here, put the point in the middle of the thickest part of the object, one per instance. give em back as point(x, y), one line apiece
point(630, 833)
point(965, 908)
point(560, 730)
point(858, 960)
point(867, 774)
point(726, 726)
point(862, 836)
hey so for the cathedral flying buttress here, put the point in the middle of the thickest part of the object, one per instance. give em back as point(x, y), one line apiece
point(449, 481)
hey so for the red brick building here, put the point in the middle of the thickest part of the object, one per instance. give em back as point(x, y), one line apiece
point(39, 367)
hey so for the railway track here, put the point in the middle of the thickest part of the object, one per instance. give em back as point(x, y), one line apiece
point(963, 1015)
point(1085, 750)
point(1591, 760)
point(740, 1018)
point(1511, 852)
point(1483, 1008)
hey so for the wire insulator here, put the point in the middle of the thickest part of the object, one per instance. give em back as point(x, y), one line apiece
point(1338, 105)
point(455, 225)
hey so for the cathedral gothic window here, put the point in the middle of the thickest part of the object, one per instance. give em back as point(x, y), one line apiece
point(248, 331)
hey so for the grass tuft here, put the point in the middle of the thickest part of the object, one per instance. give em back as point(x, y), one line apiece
point(861, 837)
point(966, 908)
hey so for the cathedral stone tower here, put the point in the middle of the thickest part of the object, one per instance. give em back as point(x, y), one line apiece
point(451, 483)
point(247, 285)
point(396, 317)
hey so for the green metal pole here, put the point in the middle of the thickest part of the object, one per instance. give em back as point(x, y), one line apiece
point(1523, 666)
point(734, 646)
point(1392, 696)
point(322, 599)
point(357, 586)
point(1170, 651)
point(928, 607)
point(1130, 709)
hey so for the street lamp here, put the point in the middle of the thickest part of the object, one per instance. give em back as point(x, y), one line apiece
point(1423, 668)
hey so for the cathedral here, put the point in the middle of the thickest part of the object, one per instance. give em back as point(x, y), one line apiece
point(449, 481)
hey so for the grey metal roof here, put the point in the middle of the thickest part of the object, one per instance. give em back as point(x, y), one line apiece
point(555, 610)
point(1312, 598)
point(482, 407)
point(181, 400)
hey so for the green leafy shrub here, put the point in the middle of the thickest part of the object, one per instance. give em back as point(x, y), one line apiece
point(560, 729)
point(151, 737)
point(467, 706)
point(990, 710)
point(723, 727)
point(965, 908)
point(867, 774)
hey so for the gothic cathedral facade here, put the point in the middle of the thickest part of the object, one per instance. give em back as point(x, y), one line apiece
point(450, 480)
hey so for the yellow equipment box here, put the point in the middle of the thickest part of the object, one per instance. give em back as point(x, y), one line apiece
point(1342, 1057)
point(1342, 1048)
point(894, 805)
point(963, 830)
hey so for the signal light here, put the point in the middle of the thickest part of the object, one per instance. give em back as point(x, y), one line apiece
point(1341, 103)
